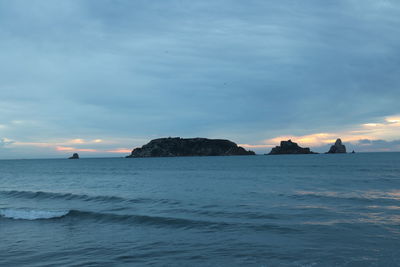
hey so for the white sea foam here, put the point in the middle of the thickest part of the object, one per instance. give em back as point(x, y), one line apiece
point(31, 214)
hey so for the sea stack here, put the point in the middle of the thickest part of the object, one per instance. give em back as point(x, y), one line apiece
point(338, 147)
point(74, 156)
point(183, 147)
point(289, 147)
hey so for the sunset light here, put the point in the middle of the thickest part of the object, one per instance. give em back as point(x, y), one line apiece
point(200, 133)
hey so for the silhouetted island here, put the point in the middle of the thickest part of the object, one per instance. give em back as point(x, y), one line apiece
point(289, 147)
point(74, 156)
point(338, 147)
point(181, 147)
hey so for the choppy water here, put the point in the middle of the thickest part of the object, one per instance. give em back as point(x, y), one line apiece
point(301, 210)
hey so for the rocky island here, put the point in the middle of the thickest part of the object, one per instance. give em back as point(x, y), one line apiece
point(338, 147)
point(74, 156)
point(289, 147)
point(182, 147)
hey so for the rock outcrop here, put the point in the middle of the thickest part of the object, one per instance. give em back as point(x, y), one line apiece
point(289, 147)
point(74, 156)
point(181, 147)
point(338, 147)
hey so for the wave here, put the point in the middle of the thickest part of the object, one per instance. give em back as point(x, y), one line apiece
point(143, 219)
point(35, 214)
point(368, 196)
point(229, 214)
point(31, 214)
point(136, 219)
point(82, 197)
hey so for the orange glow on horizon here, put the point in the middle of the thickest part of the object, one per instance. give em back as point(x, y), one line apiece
point(372, 124)
point(384, 128)
point(254, 146)
point(120, 150)
point(77, 141)
point(387, 129)
point(64, 148)
point(83, 141)
point(318, 139)
point(394, 119)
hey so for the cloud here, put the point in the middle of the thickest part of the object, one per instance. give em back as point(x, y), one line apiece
point(368, 135)
point(378, 145)
point(83, 141)
point(120, 150)
point(255, 146)
point(63, 148)
point(6, 142)
point(77, 141)
point(249, 71)
point(94, 147)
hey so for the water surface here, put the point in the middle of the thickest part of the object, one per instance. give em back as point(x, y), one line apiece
point(294, 210)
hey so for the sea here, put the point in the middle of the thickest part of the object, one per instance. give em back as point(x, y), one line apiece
point(283, 210)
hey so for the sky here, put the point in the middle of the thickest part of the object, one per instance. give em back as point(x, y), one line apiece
point(103, 77)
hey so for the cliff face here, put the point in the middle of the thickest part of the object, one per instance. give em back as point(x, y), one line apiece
point(289, 147)
point(179, 147)
point(338, 147)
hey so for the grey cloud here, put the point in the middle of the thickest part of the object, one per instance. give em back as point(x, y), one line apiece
point(5, 142)
point(378, 145)
point(244, 69)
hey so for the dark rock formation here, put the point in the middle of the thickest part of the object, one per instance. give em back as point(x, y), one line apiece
point(353, 152)
point(338, 147)
point(181, 147)
point(289, 147)
point(74, 156)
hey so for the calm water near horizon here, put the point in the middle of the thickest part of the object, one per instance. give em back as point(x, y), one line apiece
point(288, 210)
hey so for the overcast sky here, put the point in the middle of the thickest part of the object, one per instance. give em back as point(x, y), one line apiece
point(102, 77)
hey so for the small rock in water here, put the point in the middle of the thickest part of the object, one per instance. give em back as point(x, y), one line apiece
point(74, 156)
point(338, 147)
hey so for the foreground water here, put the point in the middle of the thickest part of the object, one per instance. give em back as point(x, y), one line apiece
point(301, 210)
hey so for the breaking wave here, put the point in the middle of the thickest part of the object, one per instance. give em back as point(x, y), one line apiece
point(136, 219)
point(35, 214)
point(31, 214)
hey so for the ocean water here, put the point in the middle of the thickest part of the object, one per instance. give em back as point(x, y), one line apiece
point(294, 210)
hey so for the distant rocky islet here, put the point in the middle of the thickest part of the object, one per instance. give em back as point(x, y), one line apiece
point(289, 147)
point(338, 147)
point(74, 156)
point(184, 147)
point(181, 147)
